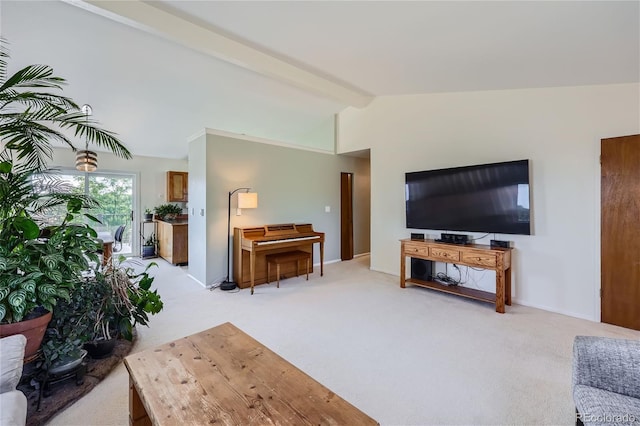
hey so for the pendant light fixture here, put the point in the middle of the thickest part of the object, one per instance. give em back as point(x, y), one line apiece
point(87, 161)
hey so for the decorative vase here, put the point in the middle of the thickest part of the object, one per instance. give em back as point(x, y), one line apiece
point(33, 329)
point(102, 348)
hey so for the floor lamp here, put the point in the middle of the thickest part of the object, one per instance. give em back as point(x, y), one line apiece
point(246, 200)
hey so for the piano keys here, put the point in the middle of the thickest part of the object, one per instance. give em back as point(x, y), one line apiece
point(252, 245)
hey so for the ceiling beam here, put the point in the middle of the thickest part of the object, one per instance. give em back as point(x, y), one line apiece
point(148, 18)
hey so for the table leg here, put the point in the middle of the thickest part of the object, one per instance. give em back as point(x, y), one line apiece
point(107, 252)
point(402, 268)
point(507, 286)
point(500, 293)
point(137, 413)
point(252, 267)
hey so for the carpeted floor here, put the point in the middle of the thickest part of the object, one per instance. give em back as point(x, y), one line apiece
point(403, 356)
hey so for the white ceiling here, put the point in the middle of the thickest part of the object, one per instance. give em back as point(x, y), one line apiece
point(158, 72)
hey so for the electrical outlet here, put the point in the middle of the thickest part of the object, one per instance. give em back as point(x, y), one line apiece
point(327, 209)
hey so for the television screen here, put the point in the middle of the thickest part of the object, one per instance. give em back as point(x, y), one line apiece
point(491, 198)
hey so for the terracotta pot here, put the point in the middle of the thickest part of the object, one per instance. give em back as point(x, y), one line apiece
point(32, 329)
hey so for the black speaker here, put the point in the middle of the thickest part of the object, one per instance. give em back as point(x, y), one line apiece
point(421, 269)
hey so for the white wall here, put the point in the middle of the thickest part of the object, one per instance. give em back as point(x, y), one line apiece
point(293, 186)
point(197, 209)
point(558, 129)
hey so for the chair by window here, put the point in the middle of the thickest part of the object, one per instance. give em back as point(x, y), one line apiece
point(117, 238)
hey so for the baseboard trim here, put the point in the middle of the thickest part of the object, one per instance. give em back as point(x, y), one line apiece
point(554, 310)
point(327, 262)
point(196, 280)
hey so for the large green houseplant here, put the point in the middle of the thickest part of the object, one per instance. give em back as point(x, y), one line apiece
point(106, 305)
point(39, 264)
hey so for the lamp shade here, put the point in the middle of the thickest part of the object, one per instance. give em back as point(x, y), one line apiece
point(247, 200)
point(86, 161)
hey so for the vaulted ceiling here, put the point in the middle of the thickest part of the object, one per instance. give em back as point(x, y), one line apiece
point(157, 72)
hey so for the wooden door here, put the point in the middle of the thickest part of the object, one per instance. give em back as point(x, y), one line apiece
point(620, 231)
point(346, 216)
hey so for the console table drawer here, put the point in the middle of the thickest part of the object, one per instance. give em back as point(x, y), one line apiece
point(444, 253)
point(419, 249)
point(480, 259)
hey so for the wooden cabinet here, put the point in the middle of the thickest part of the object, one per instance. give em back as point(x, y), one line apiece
point(173, 241)
point(177, 187)
point(475, 255)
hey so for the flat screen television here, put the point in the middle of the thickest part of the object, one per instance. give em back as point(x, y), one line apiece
point(492, 198)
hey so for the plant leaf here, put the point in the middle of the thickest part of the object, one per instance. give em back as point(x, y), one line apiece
point(17, 298)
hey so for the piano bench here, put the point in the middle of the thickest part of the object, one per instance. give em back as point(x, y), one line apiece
point(286, 257)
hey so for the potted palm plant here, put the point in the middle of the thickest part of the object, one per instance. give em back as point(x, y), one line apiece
point(39, 264)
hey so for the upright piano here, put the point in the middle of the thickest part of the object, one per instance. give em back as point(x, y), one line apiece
point(252, 245)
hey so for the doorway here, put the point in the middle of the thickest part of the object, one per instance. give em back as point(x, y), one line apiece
point(346, 216)
point(115, 194)
point(620, 231)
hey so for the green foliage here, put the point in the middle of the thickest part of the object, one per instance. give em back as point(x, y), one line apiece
point(167, 210)
point(130, 300)
point(38, 272)
point(40, 264)
point(33, 115)
point(43, 261)
point(105, 305)
point(151, 240)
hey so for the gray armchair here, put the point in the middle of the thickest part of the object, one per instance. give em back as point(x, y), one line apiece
point(606, 381)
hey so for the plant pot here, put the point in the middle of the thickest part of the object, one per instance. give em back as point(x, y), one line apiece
point(65, 365)
point(148, 251)
point(148, 217)
point(102, 348)
point(33, 329)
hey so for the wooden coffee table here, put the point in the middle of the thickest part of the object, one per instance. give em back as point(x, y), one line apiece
point(224, 376)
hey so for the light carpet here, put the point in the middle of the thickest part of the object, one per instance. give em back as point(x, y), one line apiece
point(403, 356)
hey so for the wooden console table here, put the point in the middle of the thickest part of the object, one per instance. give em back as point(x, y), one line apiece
point(224, 376)
point(475, 255)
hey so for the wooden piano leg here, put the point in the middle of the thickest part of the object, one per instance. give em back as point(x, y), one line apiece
point(321, 258)
point(252, 267)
